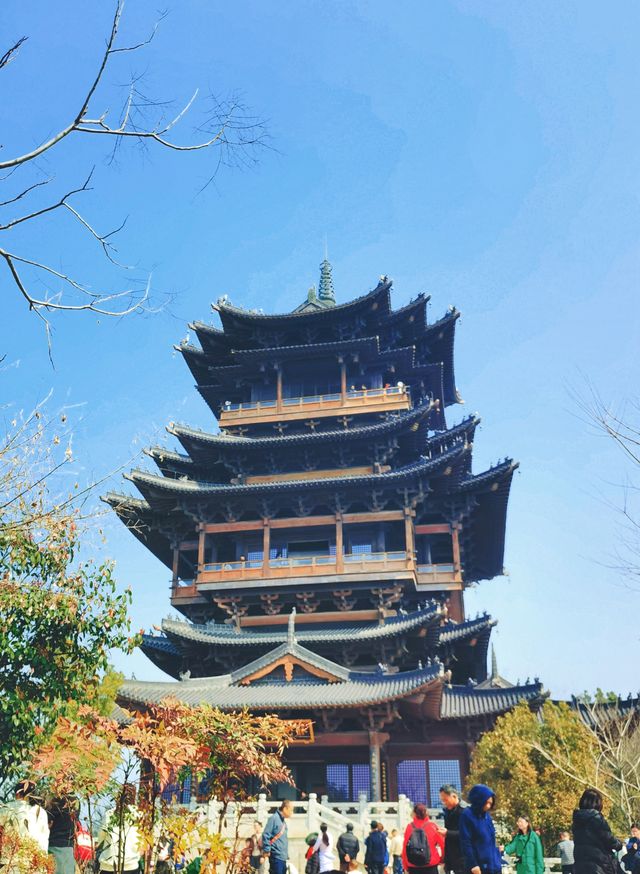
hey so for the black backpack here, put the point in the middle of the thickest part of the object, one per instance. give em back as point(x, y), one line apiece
point(418, 853)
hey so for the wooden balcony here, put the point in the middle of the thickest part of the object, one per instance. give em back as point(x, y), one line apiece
point(440, 576)
point(305, 566)
point(381, 564)
point(372, 400)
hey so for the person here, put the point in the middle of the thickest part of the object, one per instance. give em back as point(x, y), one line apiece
point(256, 845)
point(633, 845)
point(376, 850)
point(526, 846)
point(565, 851)
point(348, 847)
point(395, 850)
point(62, 813)
point(28, 817)
point(119, 835)
point(423, 845)
point(383, 831)
point(275, 838)
point(593, 840)
point(477, 833)
point(453, 863)
point(324, 848)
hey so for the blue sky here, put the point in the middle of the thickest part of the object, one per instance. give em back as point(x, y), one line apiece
point(485, 153)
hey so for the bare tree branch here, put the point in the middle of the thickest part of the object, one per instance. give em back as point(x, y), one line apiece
point(228, 130)
point(10, 54)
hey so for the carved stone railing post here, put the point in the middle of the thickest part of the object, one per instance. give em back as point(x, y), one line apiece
point(363, 812)
point(313, 813)
point(262, 811)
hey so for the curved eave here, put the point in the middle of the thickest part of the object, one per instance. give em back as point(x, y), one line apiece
point(456, 632)
point(234, 318)
point(153, 486)
point(439, 339)
point(219, 692)
point(483, 536)
point(213, 340)
point(467, 702)
point(224, 635)
point(139, 517)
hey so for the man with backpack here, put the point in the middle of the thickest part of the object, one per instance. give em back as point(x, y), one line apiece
point(423, 848)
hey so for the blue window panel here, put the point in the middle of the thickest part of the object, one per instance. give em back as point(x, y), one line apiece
point(412, 780)
point(442, 771)
point(338, 782)
point(186, 789)
point(254, 555)
point(360, 781)
point(361, 549)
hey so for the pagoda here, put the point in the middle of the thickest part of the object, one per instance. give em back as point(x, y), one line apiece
point(321, 540)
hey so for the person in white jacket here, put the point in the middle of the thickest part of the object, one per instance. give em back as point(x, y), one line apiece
point(324, 846)
point(26, 815)
point(119, 836)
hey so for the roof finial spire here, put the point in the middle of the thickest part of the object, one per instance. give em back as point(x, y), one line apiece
point(494, 663)
point(291, 630)
point(325, 291)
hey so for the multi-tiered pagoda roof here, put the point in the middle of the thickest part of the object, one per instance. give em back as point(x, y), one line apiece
point(320, 541)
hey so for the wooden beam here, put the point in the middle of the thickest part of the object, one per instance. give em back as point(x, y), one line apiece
point(266, 547)
point(315, 618)
point(201, 544)
point(188, 544)
point(343, 380)
point(455, 542)
point(303, 522)
point(176, 558)
point(333, 473)
point(408, 533)
point(229, 527)
point(433, 529)
point(339, 545)
point(278, 387)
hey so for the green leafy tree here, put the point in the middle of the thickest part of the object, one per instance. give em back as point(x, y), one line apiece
point(517, 760)
point(59, 616)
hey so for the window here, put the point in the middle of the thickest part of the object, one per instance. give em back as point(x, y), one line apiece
point(175, 793)
point(347, 782)
point(338, 782)
point(308, 547)
point(412, 780)
point(360, 781)
point(442, 771)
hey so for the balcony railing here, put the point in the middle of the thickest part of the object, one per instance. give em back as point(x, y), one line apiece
point(374, 399)
point(318, 565)
point(306, 565)
point(438, 574)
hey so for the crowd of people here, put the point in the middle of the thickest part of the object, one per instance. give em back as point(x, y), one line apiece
point(464, 844)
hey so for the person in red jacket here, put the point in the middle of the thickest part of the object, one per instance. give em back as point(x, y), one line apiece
point(423, 846)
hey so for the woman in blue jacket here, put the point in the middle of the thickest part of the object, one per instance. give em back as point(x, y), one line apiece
point(477, 833)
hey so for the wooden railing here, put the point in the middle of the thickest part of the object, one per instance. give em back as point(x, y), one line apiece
point(307, 565)
point(371, 399)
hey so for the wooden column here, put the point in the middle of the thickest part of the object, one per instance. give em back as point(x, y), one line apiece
point(455, 543)
point(339, 544)
point(374, 766)
point(176, 559)
point(201, 544)
point(278, 387)
point(266, 547)
point(343, 379)
point(408, 533)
